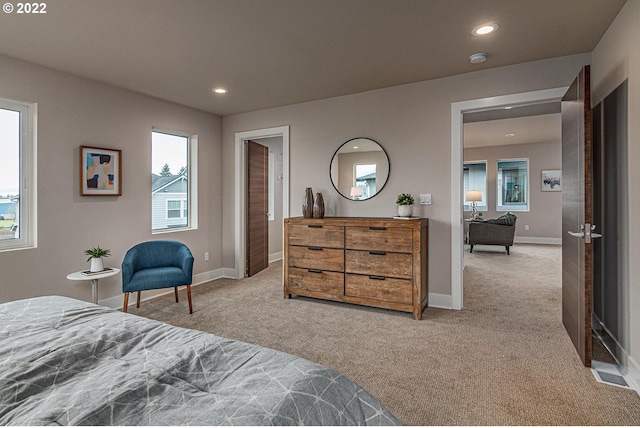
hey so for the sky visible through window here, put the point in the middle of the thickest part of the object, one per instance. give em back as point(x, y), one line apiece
point(9, 152)
point(168, 149)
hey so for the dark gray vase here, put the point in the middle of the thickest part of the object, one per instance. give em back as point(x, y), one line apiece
point(318, 206)
point(307, 203)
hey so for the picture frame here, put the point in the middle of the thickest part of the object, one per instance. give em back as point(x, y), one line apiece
point(100, 171)
point(551, 180)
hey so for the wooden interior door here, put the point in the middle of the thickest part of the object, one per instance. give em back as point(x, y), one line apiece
point(577, 257)
point(257, 207)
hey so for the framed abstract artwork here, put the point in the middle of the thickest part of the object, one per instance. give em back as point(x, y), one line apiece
point(551, 180)
point(100, 171)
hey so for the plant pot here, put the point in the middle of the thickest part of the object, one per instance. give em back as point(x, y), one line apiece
point(96, 265)
point(405, 210)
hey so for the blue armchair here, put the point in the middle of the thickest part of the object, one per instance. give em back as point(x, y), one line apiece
point(156, 264)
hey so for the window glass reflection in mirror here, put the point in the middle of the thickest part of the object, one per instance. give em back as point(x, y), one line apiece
point(359, 169)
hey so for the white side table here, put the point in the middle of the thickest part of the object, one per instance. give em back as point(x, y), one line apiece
point(79, 276)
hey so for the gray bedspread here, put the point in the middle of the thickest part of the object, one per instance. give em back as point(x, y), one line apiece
point(68, 362)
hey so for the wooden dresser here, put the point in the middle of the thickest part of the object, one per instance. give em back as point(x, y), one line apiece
point(379, 262)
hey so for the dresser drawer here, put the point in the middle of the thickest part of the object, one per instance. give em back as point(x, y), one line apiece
point(395, 239)
point(316, 234)
point(378, 288)
point(379, 263)
point(330, 259)
point(318, 281)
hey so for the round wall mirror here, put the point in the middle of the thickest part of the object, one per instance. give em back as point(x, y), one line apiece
point(359, 169)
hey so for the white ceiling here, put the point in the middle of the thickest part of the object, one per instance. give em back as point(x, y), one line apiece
point(532, 129)
point(277, 52)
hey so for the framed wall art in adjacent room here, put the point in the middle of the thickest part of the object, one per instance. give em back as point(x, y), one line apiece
point(100, 171)
point(551, 180)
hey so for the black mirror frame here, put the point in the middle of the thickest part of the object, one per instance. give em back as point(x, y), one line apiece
point(385, 182)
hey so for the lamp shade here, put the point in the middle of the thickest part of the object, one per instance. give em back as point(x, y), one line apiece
point(356, 191)
point(473, 196)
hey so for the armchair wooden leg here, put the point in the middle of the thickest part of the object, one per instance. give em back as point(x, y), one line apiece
point(189, 297)
point(175, 289)
point(471, 249)
point(138, 300)
point(126, 302)
point(507, 247)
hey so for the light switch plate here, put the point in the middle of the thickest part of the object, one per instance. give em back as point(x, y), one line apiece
point(425, 199)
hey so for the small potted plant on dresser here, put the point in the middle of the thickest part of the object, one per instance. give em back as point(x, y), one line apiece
point(405, 204)
point(95, 257)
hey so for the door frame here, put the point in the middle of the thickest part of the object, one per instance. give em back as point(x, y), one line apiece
point(458, 109)
point(240, 208)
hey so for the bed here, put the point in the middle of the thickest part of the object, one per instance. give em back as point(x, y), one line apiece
point(68, 362)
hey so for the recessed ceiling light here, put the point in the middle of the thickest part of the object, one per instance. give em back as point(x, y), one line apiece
point(356, 147)
point(478, 58)
point(509, 135)
point(484, 29)
point(219, 90)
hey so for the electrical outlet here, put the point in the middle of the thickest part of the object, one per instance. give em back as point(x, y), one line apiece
point(526, 227)
point(425, 199)
point(206, 256)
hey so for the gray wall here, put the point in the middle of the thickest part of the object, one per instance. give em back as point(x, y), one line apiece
point(73, 112)
point(545, 208)
point(412, 122)
point(615, 59)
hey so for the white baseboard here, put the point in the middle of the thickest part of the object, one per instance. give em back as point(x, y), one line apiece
point(633, 374)
point(275, 256)
point(536, 240)
point(442, 301)
point(116, 302)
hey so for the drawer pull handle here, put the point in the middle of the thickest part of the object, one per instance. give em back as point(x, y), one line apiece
point(378, 253)
point(315, 248)
point(377, 278)
point(377, 228)
point(316, 226)
point(314, 270)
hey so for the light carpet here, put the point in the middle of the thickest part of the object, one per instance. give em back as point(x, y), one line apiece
point(505, 359)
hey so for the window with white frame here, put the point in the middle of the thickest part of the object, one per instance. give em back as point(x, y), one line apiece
point(365, 177)
point(174, 164)
point(17, 175)
point(475, 178)
point(512, 181)
point(177, 209)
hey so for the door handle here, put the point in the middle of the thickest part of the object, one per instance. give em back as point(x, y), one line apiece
point(586, 232)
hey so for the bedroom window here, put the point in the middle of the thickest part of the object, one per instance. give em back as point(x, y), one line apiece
point(173, 172)
point(513, 185)
point(475, 178)
point(17, 175)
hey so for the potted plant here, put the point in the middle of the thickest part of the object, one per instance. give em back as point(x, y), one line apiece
point(405, 204)
point(95, 256)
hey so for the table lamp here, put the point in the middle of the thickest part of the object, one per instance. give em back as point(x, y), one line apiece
point(473, 196)
point(356, 192)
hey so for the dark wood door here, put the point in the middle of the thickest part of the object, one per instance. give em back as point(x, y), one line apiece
point(577, 258)
point(257, 208)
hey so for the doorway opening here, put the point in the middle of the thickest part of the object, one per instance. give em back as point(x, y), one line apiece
point(458, 110)
point(268, 135)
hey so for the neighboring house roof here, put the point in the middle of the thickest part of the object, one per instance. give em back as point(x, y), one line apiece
point(169, 182)
point(371, 176)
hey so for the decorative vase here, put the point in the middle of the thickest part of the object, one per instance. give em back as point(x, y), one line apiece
point(307, 203)
point(318, 206)
point(96, 264)
point(405, 210)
